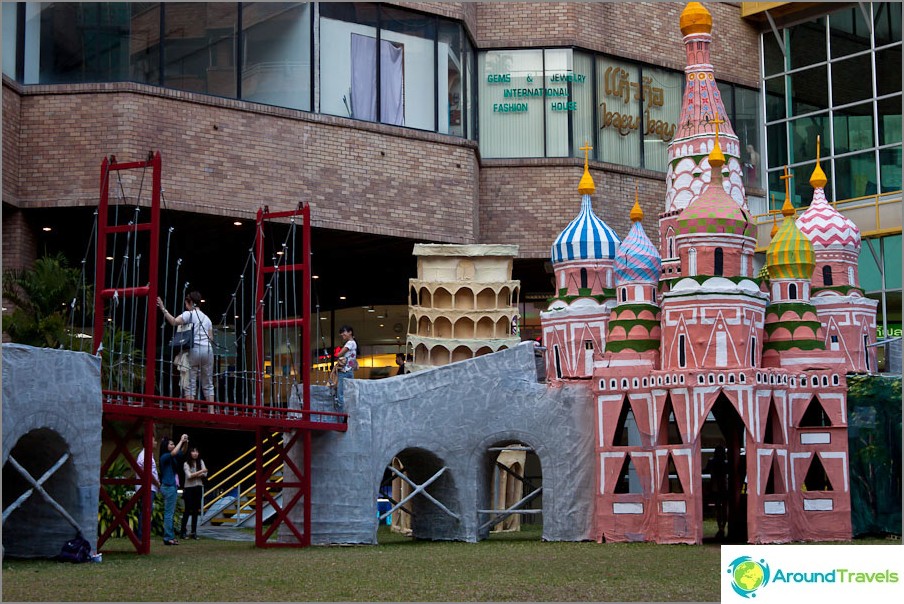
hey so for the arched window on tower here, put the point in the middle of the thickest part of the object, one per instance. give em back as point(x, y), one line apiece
point(850, 275)
point(692, 262)
point(827, 275)
point(792, 291)
point(671, 246)
point(717, 262)
point(682, 356)
point(584, 278)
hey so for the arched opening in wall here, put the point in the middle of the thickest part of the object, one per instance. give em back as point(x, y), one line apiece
point(412, 297)
point(461, 353)
point(421, 355)
point(482, 351)
point(34, 526)
point(484, 329)
point(584, 278)
point(503, 327)
point(512, 497)
point(628, 481)
point(718, 259)
point(815, 416)
point(774, 434)
point(669, 434)
point(424, 327)
point(442, 328)
point(409, 477)
point(486, 299)
point(439, 355)
point(464, 299)
point(792, 291)
point(626, 432)
point(412, 325)
point(817, 479)
point(827, 275)
point(426, 298)
point(442, 299)
point(671, 482)
point(504, 298)
point(464, 328)
point(725, 483)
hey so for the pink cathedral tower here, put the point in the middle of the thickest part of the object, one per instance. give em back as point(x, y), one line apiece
point(689, 170)
point(575, 323)
point(848, 317)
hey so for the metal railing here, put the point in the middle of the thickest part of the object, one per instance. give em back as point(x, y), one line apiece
point(232, 479)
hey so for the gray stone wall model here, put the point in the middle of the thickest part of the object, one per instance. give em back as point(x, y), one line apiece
point(52, 406)
point(449, 416)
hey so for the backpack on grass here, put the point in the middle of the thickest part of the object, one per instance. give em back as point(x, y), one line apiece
point(75, 550)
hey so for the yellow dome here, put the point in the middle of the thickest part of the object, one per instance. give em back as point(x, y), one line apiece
point(636, 214)
point(695, 19)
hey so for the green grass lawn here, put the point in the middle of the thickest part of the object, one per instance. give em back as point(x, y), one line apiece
point(509, 567)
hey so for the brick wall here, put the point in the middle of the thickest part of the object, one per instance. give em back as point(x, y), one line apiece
point(230, 157)
point(529, 202)
point(641, 31)
point(11, 103)
point(19, 240)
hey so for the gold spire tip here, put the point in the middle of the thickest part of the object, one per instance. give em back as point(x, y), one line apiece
point(636, 214)
point(716, 157)
point(695, 19)
point(586, 186)
point(818, 179)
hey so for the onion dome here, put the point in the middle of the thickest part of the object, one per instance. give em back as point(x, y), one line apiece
point(714, 210)
point(586, 237)
point(637, 258)
point(695, 19)
point(825, 226)
point(790, 254)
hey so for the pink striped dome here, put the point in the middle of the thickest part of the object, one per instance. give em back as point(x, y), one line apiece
point(825, 226)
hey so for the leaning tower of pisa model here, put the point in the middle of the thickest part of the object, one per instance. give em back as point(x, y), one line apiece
point(462, 304)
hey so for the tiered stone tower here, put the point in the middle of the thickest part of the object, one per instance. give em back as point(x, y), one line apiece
point(462, 304)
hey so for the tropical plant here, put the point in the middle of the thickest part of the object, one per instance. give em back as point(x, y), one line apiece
point(41, 298)
point(120, 494)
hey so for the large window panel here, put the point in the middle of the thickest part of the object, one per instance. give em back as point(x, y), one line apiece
point(890, 169)
point(856, 175)
point(618, 139)
point(888, 70)
point(889, 120)
point(853, 128)
point(559, 85)
point(887, 19)
point(662, 98)
point(144, 43)
point(10, 37)
point(803, 137)
point(775, 99)
point(778, 144)
point(511, 108)
point(347, 60)
point(747, 126)
point(276, 54)
point(582, 116)
point(806, 43)
point(852, 80)
point(848, 31)
point(451, 72)
point(469, 60)
point(809, 90)
point(199, 47)
point(773, 59)
point(408, 70)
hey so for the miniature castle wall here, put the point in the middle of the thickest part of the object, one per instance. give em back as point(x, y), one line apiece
point(462, 304)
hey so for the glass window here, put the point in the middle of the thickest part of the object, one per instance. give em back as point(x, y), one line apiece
point(69, 42)
point(887, 18)
point(619, 115)
point(582, 116)
point(806, 43)
point(852, 79)
point(773, 59)
point(868, 270)
point(407, 69)
point(348, 60)
point(888, 70)
point(891, 251)
point(276, 54)
point(848, 32)
point(10, 38)
point(889, 120)
point(469, 60)
point(803, 137)
point(775, 98)
point(746, 124)
point(511, 108)
point(199, 47)
point(451, 79)
point(853, 128)
point(778, 144)
point(890, 168)
point(809, 90)
point(801, 189)
point(144, 57)
point(559, 101)
point(859, 175)
point(662, 98)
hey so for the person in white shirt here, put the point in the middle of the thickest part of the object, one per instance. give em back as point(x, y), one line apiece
point(346, 370)
point(155, 484)
point(201, 353)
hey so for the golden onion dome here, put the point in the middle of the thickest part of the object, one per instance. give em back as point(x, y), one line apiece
point(695, 19)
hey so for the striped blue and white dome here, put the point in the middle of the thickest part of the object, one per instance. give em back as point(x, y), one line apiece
point(585, 238)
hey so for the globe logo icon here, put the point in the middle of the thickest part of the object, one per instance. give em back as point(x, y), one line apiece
point(748, 575)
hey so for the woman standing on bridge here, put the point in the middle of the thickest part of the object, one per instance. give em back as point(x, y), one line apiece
point(201, 352)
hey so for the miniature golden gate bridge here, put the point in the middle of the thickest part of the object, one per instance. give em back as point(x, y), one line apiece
point(270, 305)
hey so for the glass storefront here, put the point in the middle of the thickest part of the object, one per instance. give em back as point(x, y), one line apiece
point(375, 62)
point(551, 102)
point(838, 78)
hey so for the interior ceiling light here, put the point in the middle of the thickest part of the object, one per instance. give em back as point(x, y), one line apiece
point(237, 223)
point(342, 297)
point(46, 229)
point(279, 253)
point(109, 257)
point(315, 276)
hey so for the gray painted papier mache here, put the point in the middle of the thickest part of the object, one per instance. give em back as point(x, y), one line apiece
point(448, 417)
point(52, 407)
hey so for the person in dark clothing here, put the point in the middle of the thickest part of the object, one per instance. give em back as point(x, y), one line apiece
point(717, 468)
